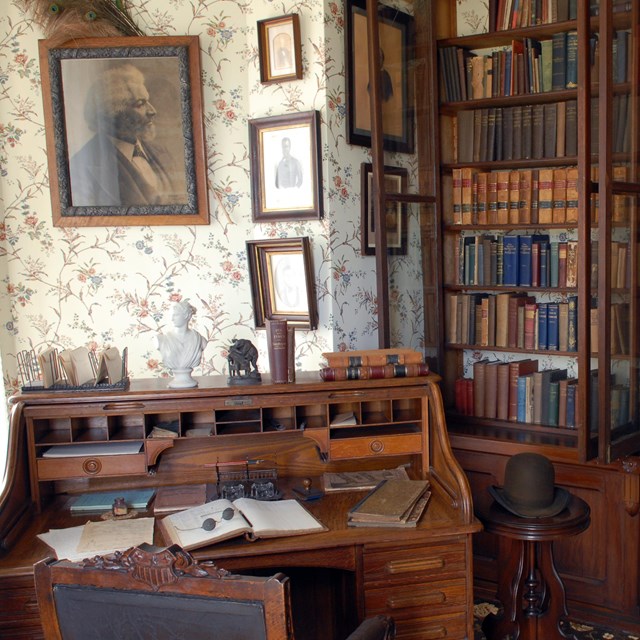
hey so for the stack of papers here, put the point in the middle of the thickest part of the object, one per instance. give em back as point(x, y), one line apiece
point(98, 538)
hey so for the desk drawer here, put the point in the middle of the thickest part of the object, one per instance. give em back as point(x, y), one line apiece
point(429, 596)
point(366, 446)
point(451, 626)
point(418, 564)
point(89, 467)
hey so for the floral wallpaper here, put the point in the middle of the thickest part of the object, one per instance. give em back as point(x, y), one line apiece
point(115, 286)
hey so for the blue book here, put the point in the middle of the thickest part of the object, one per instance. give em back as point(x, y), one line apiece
point(103, 500)
point(571, 78)
point(552, 326)
point(571, 406)
point(553, 264)
point(554, 395)
point(510, 261)
point(524, 260)
point(559, 62)
point(542, 324)
point(522, 398)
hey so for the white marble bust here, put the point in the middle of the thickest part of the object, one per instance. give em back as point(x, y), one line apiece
point(181, 349)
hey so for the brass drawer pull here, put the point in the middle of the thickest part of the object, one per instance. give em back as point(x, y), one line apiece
point(409, 566)
point(418, 600)
point(122, 406)
point(91, 466)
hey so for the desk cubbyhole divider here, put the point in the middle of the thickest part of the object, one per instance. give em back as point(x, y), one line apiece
point(126, 427)
point(376, 412)
point(170, 420)
point(90, 429)
point(52, 431)
point(200, 420)
point(278, 419)
point(311, 416)
point(407, 409)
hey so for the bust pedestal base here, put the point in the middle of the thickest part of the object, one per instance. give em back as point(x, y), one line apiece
point(182, 379)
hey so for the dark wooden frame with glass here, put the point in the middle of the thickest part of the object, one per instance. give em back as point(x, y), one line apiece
point(282, 285)
point(280, 49)
point(396, 48)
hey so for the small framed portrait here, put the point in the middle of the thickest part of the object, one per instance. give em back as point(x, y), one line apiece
point(280, 49)
point(286, 174)
point(124, 131)
point(282, 285)
point(396, 53)
point(395, 218)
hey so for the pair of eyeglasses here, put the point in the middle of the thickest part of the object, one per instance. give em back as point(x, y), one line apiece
point(210, 521)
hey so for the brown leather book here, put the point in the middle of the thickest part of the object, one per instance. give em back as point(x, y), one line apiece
point(516, 369)
point(278, 351)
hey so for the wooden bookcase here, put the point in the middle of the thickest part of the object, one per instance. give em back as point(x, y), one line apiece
point(596, 458)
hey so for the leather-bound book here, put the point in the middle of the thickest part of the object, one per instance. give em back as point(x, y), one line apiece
point(277, 350)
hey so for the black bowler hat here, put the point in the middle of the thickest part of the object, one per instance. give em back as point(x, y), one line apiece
point(529, 487)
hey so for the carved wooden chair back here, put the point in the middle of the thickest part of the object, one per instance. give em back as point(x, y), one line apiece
point(147, 593)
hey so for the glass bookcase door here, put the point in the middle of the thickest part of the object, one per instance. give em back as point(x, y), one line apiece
point(613, 402)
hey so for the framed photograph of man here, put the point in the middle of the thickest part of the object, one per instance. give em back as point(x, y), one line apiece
point(286, 173)
point(396, 53)
point(280, 49)
point(395, 217)
point(282, 285)
point(124, 131)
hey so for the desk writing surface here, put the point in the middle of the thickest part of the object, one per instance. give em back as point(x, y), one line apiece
point(438, 521)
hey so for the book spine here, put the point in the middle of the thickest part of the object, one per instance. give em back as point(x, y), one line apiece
point(510, 261)
point(525, 246)
point(337, 374)
point(277, 344)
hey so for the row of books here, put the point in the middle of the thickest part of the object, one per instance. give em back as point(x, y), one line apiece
point(514, 14)
point(619, 329)
point(513, 321)
point(526, 196)
point(520, 132)
point(517, 260)
point(527, 67)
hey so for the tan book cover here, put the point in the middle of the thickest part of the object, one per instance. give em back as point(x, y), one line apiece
point(572, 263)
point(559, 210)
point(545, 196)
point(503, 197)
point(391, 501)
point(571, 212)
point(514, 197)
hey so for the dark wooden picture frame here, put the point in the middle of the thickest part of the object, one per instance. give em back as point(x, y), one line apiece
point(396, 180)
point(158, 180)
point(286, 168)
point(282, 284)
point(396, 43)
point(280, 49)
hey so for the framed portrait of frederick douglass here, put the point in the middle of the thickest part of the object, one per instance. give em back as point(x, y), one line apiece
point(282, 285)
point(286, 172)
point(124, 131)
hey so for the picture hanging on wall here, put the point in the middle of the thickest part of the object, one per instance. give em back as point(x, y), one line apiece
point(395, 215)
point(124, 131)
point(282, 285)
point(396, 53)
point(280, 49)
point(286, 172)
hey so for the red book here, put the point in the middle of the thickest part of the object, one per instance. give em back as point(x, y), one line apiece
point(530, 322)
point(502, 408)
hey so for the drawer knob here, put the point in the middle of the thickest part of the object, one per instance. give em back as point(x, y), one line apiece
point(91, 466)
point(377, 446)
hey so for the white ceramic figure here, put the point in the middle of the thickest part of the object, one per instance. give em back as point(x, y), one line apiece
point(181, 349)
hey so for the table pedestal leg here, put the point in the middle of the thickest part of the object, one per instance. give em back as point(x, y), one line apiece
point(532, 593)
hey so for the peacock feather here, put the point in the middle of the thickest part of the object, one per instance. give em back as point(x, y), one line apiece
point(63, 20)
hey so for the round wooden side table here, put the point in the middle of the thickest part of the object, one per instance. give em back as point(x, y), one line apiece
point(529, 586)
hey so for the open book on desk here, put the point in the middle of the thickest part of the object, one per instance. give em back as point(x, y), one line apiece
point(251, 518)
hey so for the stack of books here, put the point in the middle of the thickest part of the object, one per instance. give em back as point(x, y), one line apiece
point(393, 503)
point(373, 364)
